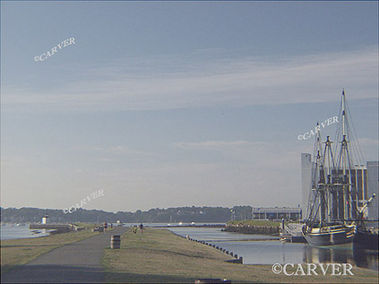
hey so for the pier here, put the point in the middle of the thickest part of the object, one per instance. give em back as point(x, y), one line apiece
point(55, 228)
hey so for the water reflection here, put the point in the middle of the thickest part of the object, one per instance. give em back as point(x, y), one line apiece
point(366, 258)
point(342, 254)
point(336, 254)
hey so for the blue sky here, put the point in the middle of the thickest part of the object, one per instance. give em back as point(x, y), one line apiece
point(167, 104)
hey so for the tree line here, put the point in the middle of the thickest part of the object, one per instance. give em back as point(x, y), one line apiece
point(157, 215)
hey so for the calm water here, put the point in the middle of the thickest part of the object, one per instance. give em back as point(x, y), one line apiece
point(12, 231)
point(261, 251)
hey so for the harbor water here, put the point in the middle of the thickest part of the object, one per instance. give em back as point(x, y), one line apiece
point(262, 249)
point(20, 231)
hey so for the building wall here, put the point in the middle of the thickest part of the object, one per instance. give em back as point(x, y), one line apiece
point(276, 213)
point(359, 180)
point(372, 187)
point(306, 182)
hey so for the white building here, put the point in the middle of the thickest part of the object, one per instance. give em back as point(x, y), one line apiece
point(44, 219)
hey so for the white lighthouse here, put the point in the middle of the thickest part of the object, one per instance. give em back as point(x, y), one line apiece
point(44, 219)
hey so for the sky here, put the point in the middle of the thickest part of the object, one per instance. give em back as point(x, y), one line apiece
point(167, 104)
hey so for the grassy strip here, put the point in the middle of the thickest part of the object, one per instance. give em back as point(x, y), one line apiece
point(22, 251)
point(263, 223)
point(158, 256)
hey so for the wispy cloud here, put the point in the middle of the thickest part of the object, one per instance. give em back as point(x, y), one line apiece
point(270, 154)
point(368, 142)
point(113, 149)
point(210, 144)
point(116, 153)
point(234, 82)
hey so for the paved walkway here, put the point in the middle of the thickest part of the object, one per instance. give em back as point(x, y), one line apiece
point(77, 262)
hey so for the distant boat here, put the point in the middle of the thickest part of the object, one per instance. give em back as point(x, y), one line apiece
point(333, 207)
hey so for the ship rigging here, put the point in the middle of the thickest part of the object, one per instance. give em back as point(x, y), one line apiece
point(333, 207)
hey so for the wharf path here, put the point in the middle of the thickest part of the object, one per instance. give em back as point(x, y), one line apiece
point(73, 263)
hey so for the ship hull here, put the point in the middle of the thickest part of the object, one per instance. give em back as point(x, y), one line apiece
point(329, 236)
point(366, 240)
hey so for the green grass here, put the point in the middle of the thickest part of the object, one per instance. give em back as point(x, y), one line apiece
point(158, 256)
point(22, 251)
point(265, 223)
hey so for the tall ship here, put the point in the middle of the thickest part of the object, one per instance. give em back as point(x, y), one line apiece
point(333, 206)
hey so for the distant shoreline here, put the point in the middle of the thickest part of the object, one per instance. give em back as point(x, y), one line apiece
point(192, 226)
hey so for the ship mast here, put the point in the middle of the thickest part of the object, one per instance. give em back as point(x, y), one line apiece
point(318, 204)
point(334, 194)
point(331, 218)
point(312, 212)
point(347, 207)
point(328, 166)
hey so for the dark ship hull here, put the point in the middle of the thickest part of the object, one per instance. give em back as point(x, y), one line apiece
point(329, 235)
point(365, 239)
